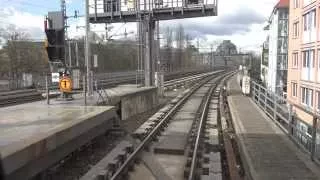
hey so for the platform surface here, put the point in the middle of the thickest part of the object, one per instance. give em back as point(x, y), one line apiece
point(268, 153)
point(26, 123)
point(32, 132)
point(111, 95)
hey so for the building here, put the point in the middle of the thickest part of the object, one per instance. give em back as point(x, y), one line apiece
point(304, 54)
point(264, 62)
point(278, 48)
point(226, 48)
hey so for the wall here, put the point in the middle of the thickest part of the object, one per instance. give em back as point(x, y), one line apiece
point(139, 102)
point(273, 49)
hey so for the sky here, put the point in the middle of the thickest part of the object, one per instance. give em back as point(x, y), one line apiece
point(240, 21)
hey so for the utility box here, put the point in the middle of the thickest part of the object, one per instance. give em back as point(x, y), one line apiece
point(159, 82)
point(27, 80)
point(245, 85)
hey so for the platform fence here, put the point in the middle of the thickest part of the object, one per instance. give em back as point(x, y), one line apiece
point(281, 112)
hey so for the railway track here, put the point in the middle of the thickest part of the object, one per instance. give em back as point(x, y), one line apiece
point(184, 140)
point(19, 96)
point(8, 98)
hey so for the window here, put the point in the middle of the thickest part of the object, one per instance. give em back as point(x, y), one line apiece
point(307, 96)
point(294, 87)
point(318, 100)
point(308, 59)
point(296, 29)
point(296, 3)
point(295, 59)
point(309, 20)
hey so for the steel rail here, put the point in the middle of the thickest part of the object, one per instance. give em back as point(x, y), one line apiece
point(201, 123)
point(200, 128)
point(150, 136)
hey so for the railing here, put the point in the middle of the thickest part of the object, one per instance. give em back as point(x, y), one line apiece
point(280, 111)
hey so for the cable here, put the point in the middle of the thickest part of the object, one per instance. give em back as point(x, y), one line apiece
point(117, 30)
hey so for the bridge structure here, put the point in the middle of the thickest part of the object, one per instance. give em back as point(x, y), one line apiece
point(146, 13)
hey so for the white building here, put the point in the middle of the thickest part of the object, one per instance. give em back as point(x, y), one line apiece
point(264, 62)
point(278, 48)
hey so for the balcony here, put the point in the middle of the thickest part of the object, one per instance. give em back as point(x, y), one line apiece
point(112, 11)
point(307, 2)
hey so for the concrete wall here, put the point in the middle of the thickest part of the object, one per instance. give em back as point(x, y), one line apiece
point(138, 102)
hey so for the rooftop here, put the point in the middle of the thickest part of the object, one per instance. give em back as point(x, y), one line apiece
point(282, 4)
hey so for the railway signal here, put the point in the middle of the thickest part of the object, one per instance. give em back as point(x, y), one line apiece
point(55, 44)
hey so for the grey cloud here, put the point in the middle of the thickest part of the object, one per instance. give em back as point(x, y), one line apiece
point(244, 16)
point(35, 33)
point(224, 25)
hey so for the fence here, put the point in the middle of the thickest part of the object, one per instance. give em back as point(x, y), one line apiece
point(280, 111)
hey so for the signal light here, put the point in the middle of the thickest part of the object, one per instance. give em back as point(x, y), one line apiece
point(55, 44)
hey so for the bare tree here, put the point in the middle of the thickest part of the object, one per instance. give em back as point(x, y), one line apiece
point(180, 40)
point(24, 56)
point(167, 58)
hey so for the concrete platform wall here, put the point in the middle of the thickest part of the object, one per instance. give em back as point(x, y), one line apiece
point(139, 102)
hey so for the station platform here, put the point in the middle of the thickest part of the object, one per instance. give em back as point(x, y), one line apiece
point(36, 135)
point(32, 138)
point(128, 99)
point(267, 152)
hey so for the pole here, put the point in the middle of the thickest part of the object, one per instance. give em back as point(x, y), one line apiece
point(87, 50)
point(69, 50)
point(149, 61)
point(47, 88)
point(85, 89)
point(314, 138)
point(211, 57)
point(77, 54)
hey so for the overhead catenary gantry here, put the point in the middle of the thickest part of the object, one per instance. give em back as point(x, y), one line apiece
point(146, 12)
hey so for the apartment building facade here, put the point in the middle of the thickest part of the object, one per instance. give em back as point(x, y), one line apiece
point(276, 79)
point(264, 62)
point(304, 59)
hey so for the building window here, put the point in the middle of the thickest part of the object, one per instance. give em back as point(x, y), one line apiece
point(294, 87)
point(295, 59)
point(318, 100)
point(307, 96)
point(296, 29)
point(308, 59)
point(309, 20)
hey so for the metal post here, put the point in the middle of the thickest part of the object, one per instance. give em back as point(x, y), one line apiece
point(211, 58)
point(259, 92)
point(265, 99)
point(290, 123)
point(149, 62)
point(274, 107)
point(69, 50)
point(87, 49)
point(314, 138)
point(47, 90)
point(85, 89)
point(77, 54)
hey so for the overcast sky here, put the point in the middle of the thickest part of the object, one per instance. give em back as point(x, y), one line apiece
point(240, 21)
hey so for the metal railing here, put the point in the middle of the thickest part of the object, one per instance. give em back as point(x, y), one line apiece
point(281, 112)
